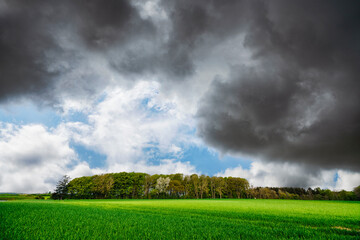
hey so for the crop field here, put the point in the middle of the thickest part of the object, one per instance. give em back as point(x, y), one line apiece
point(179, 219)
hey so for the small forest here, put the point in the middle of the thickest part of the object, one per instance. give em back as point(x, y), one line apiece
point(131, 185)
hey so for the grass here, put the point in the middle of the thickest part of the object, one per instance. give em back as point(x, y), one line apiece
point(179, 219)
point(15, 196)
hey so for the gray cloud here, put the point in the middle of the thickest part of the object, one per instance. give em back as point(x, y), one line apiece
point(103, 24)
point(35, 39)
point(46, 41)
point(301, 101)
point(23, 39)
point(199, 25)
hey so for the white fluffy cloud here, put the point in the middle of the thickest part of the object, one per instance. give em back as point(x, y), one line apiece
point(131, 126)
point(33, 158)
point(290, 175)
point(347, 180)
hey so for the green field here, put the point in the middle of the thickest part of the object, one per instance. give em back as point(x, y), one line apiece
point(12, 196)
point(179, 219)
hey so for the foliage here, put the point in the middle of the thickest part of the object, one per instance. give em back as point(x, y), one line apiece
point(237, 187)
point(162, 184)
point(61, 190)
point(179, 219)
point(141, 185)
point(357, 192)
point(39, 197)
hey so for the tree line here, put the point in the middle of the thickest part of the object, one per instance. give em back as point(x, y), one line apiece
point(131, 185)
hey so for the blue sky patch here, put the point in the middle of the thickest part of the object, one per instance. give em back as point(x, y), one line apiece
point(211, 163)
point(27, 113)
point(94, 159)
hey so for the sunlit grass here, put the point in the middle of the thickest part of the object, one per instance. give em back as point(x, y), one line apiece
point(179, 219)
point(13, 196)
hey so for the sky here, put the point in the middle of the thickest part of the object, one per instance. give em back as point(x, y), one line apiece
point(264, 90)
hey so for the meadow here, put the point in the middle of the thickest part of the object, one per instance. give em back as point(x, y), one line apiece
point(15, 196)
point(179, 219)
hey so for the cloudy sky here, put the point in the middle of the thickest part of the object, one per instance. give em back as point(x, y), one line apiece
point(266, 90)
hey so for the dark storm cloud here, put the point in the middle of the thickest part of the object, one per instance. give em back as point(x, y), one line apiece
point(199, 25)
point(105, 24)
point(35, 39)
point(23, 39)
point(30, 44)
point(301, 102)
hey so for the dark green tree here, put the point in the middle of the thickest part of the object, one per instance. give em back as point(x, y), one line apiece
point(357, 192)
point(61, 190)
point(81, 188)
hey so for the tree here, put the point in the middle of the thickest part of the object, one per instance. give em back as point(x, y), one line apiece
point(137, 184)
point(162, 184)
point(103, 185)
point(237, 187)
point(203, 185)
point(81, 187)
point(61, 190)
point(220, 185)
point(176, 188)
point(195, 182)
point(177, 176)
point(212, 186)
point(141, 185)
point(147, 185)
point(187, 186)
point(282, 195)
point(357, 192)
